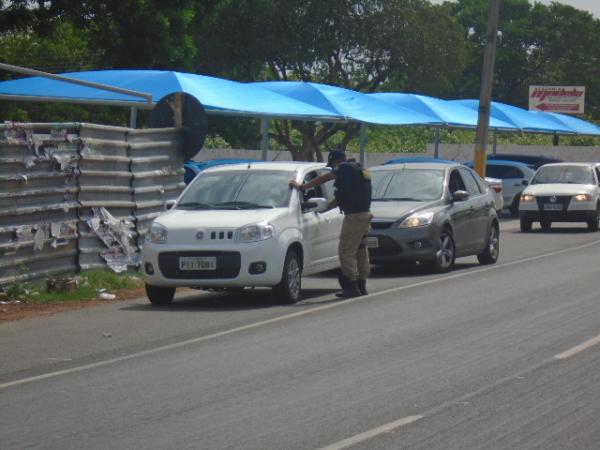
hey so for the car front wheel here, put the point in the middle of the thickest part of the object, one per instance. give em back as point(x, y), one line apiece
point(492, 247)
point(445, 253)
point(594, 223)
point(288, 289)
point(160, 295)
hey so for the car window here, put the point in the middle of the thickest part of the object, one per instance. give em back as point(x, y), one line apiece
point(407, 184)
point(238, 190)
point(503, 172)
point(597, 175)
point(317, 191)
point(564, 175)
point(470, 183)
point(328, 189)
point(456, 183)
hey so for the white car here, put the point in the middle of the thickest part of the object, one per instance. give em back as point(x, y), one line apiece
point(495, 185)
point(562, 192)
point(242, 225)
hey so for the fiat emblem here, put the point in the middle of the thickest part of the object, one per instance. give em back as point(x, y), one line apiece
point(553, 199)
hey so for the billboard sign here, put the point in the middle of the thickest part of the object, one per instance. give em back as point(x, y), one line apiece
point(561, 99)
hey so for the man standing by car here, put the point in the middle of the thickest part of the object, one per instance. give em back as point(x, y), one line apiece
point(353, 195)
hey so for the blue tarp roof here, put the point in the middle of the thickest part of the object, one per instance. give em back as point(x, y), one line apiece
point(291, 99)
point(449, 114)
point(215, 94)
point(349, 104)
point(520, 118)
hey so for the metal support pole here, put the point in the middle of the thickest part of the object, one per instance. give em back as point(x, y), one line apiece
point(363, 141)
point(133, 118)
point(264, 143)
point(485, 97)
point(495, 142)
point(556, 139)
point(436, 148)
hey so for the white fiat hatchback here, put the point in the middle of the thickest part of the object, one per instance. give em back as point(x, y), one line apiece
point(240, 226)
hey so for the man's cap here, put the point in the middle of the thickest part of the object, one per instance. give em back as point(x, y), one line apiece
point(335, 155)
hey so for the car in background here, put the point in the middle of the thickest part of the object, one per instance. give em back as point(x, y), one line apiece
point(515, 177)
point(562, 192)
point(495, 184)
point(534, 161)
point(241, 225)
point(431, 213)
point(193, 168)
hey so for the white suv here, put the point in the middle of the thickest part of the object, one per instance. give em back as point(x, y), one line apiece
point(562, 192)
point(242, 225)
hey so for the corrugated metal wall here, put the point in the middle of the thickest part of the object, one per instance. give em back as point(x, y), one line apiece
point(56, 178)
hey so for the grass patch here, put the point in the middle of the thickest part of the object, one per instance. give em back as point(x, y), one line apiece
point(89, 284)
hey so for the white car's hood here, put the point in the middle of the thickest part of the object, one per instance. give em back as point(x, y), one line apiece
point(179, 219)
point(559, 189)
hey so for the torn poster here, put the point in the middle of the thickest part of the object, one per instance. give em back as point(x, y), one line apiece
point(116, 235)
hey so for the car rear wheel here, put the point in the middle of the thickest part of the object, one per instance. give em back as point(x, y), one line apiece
point(445, 253)
point(160, 295)
point(546, 225)
point(594, 224)
point(492, 247)
point(525, 225)
point(288, 289)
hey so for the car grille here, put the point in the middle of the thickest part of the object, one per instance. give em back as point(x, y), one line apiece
point(387, 247)
point(228, 265)
point(381, 225)
point(563, 200)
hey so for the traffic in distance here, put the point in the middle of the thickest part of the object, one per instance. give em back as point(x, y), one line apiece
point(239, 224)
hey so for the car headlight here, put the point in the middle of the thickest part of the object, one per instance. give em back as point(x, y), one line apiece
point(158, 234)
point(417, 220)
point(583, 198)
point(254, 233)
point(527, 198)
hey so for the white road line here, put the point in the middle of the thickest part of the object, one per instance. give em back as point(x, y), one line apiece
point(372, 433)
point(578, 349)
point(287, 317)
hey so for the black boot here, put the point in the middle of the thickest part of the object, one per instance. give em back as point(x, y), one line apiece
point(343, 280)
point(362, 286)
point(351, 290)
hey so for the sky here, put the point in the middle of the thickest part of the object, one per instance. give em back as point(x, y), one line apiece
point(593, 6)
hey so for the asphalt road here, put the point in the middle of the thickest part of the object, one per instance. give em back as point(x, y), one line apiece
point(486, 357)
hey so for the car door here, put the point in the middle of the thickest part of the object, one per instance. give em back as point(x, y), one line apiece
point(479, 205)
point(316, 226)
point(331, 224)
point(460, 212)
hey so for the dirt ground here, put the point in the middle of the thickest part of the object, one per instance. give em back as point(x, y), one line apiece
point(11, 312)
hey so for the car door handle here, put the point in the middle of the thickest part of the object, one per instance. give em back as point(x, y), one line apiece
point(517, 185)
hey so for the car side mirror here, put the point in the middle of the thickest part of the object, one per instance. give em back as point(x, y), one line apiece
point(460, 196)
point(169, 204)
point(525, 183)
point(316, 204)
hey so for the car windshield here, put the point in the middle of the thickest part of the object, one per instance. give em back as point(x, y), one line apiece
point(563, 175)
point(407, 184)
point(238, 190)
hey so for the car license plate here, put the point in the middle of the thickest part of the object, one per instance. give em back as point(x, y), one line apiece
point(372, 242)
point(197, 263)
point(552, 207)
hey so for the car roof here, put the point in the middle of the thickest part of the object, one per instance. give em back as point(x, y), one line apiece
point(418, 159)
point(269, 165)
point(502, 162)
point(414, 165)
point(567, 164)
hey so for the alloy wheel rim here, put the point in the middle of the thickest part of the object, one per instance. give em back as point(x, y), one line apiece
point(294, 278)
point(446, 251)
point(494, 242)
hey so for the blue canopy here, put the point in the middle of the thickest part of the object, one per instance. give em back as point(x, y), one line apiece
point(520, 118)
point(349, 104)
point(215, 94)
point(579, 126)
point(450, 114)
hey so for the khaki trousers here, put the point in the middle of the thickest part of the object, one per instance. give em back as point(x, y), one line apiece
point(353, 252)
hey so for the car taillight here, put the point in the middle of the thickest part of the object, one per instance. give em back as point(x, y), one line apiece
point(497, 188)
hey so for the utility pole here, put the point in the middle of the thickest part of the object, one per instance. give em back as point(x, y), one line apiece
point(485, 97)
